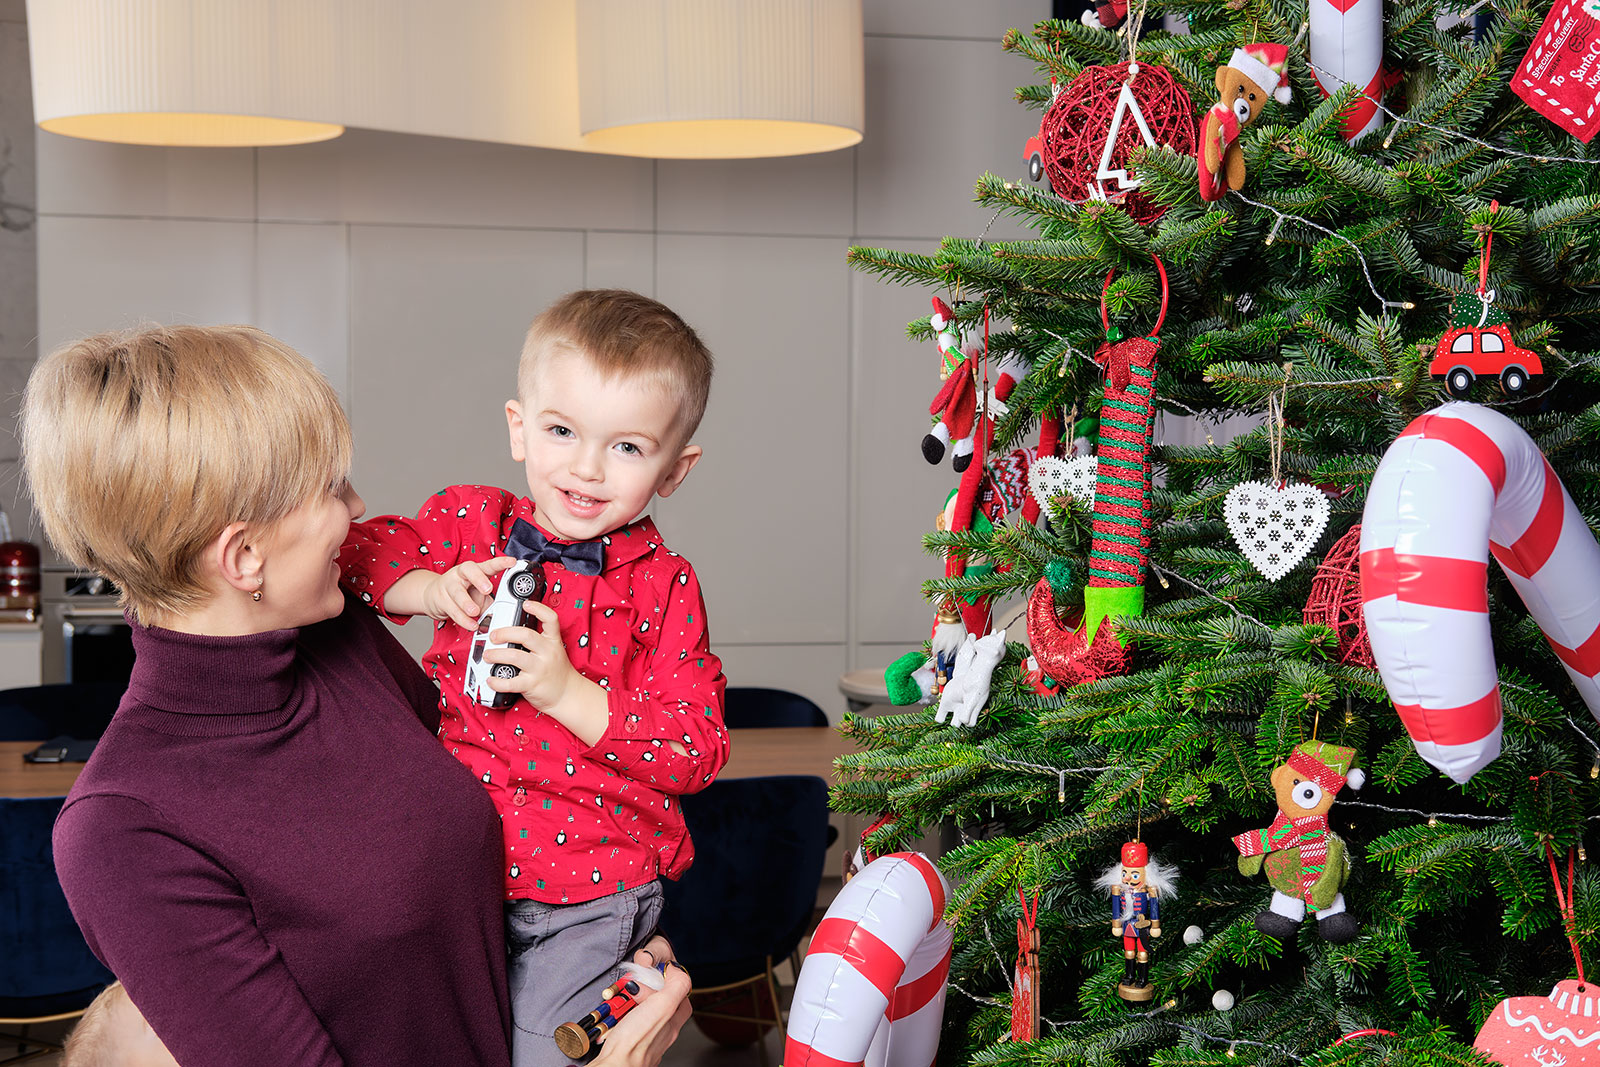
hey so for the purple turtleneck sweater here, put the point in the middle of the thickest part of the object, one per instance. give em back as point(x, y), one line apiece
point(280, 861)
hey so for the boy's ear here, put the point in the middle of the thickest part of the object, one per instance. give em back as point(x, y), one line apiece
point(514, 424)
point(237, 557)
point(679, 470)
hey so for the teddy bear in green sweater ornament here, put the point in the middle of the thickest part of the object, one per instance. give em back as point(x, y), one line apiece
point(1306, 863)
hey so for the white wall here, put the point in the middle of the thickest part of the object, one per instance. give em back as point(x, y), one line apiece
point(408, 268)
point(19, 296)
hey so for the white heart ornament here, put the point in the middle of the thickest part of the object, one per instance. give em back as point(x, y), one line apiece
point(1274, 527)
point(1052, 477)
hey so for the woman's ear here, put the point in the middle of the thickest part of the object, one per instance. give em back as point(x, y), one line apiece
point(236, 556)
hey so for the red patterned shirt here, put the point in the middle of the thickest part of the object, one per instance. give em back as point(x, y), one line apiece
point(580, 821)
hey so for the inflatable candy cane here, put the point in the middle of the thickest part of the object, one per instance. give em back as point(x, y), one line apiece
point(871, 991)
point(1347, 47)
point(1459, 483)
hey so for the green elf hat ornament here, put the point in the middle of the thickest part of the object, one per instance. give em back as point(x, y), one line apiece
point(1306, 863)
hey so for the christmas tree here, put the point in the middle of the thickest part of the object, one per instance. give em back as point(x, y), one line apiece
point(1311, 294)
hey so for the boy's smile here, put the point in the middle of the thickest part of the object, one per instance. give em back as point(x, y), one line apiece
point(595, 449)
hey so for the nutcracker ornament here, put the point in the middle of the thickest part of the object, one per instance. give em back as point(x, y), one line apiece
point(1138, 884)
point(1305, 863)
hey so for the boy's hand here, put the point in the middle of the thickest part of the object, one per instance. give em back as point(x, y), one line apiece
point(461, 593)
point(546, 679)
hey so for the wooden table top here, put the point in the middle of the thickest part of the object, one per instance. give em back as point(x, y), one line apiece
point(18, 778)
point(784, 750)
point(752, 753)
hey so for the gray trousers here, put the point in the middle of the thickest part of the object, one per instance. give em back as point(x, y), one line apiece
point(560, 956)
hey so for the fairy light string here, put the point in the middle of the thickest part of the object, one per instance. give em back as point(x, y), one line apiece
point(1366, 268)
point(1456, 135)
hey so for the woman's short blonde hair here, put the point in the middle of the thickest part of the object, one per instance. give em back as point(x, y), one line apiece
point(140, 446)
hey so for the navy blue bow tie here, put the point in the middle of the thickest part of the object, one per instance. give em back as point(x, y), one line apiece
point(529, 542)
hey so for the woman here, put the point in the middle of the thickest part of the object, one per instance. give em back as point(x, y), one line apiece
point(269, 847)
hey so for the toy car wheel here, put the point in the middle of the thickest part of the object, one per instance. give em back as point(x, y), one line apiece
point(1458, 383)
point(523, 585)
point(1035, 167)
point(502, 670)
point(1514, 380)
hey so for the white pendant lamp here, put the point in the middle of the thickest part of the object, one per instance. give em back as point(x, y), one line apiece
point(666, 78)
point(177, 72)
point(724, 79)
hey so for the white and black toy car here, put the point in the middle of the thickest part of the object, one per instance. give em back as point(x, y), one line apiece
point(519, 583)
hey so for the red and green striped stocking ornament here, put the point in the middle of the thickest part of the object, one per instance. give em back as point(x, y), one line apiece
point(1121, 527)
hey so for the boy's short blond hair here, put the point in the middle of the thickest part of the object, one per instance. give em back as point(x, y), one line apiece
point(141, 446)
point(92, 1042)
point(624, 335)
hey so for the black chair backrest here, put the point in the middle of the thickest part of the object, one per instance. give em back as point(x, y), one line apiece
point(747, 706)
point(44, 953)
point(42, 712)
point(759, 846)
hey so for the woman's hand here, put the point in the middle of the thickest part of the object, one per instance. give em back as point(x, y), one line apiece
point(646, 1032)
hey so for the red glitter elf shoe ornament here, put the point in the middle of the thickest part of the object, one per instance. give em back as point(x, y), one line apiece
point(1121, 527)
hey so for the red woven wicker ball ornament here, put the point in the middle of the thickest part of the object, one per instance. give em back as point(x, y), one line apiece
point(1335, 600)
point(1075, 128)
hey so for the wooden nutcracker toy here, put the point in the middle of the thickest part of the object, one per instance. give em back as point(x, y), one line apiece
point(578, 1039)
point(1138, 884)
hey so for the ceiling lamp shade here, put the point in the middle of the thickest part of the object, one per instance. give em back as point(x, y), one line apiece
point(719, 79)
point(216, 73)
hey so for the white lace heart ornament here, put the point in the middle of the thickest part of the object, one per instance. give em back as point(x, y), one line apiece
point(1274, 527)
point(1052, 477)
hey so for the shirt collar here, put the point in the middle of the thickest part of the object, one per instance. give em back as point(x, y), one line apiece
point(623, 545)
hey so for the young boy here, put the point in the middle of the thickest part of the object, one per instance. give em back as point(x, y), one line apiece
point(620, 707)
point(112, 1033)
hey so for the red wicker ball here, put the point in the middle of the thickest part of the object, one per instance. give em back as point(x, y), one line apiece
point(1075, 127)
point(1335, 600)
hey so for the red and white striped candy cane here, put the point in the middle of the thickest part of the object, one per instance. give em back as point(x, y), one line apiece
point(871, 990)
point(1460, 483)
point(1347, 46)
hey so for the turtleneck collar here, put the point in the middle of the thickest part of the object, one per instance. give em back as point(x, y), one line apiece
point(214, 686)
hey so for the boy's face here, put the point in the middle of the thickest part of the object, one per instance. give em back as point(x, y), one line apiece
point(595, 451)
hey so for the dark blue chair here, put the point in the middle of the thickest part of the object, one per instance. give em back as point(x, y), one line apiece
point(747, 707)
point(42, 712)
point(744, 707)
point(49, 972)
point(749, 898)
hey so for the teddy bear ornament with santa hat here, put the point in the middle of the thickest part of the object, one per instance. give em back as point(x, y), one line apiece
point(1256, 73)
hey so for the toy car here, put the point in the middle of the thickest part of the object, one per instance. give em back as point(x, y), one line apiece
point(519, 583)
point(1033, 152)
point(1468, 351)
